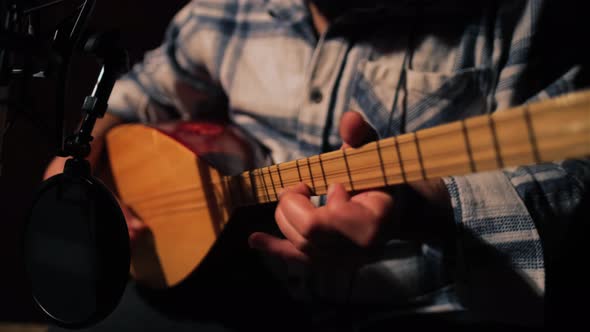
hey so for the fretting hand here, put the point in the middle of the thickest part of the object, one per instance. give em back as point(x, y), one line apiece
point(348, 228)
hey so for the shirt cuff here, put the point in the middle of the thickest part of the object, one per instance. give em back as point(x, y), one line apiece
point(499, 249)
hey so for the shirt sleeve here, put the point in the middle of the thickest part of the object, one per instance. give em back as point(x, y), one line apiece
point(510, 222)
point(173, 81)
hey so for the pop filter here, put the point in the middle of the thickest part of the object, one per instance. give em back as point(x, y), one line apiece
point(76, 248)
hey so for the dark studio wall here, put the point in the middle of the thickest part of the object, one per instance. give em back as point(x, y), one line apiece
point(28, 146)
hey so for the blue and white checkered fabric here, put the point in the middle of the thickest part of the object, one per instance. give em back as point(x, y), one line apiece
point(403, 67)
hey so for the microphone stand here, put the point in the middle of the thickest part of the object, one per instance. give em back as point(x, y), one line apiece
point(72, 210)
point(18, 45)
point(83, 211)
point(114, 62)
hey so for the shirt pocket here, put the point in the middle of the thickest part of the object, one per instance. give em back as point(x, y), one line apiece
point(424, 99)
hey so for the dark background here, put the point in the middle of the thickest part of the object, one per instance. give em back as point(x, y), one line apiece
point(29, 144)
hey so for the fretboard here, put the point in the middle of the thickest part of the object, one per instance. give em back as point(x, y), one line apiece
point(545, 131)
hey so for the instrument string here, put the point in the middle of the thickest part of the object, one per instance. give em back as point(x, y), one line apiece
point(262, 197)
point(573, 105)
point(411, 172)
point(404, 141)
point(407, 140)
point(522, 149)
point(408, 163)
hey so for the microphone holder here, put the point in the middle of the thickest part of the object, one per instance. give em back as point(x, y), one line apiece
point(76, 244)
point(80, 211)
point(114, 63)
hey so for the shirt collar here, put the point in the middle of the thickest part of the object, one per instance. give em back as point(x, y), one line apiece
point(288, 10)
point(296, 10)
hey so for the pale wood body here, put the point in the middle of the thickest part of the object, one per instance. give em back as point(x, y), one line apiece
point(177, 194)
point(186, 203)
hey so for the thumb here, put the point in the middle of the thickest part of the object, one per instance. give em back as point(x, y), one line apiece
point(354, 130)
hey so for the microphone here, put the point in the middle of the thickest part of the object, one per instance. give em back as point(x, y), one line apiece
point(76, 239)
point(76, 248)
point(76, 245)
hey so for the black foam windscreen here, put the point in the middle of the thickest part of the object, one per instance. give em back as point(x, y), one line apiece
point(76, 250)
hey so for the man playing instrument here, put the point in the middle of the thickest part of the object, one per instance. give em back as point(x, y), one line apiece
point(306, 77)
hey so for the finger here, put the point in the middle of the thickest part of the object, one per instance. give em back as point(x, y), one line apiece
point(300, 188)
point(290, 232)
point(136, 224)
point(337, 195)
point(132, 235)
point(276, 247)
point(354, 130)
point(136, 230)
point(131, 218)
point(377, 202)
point(299, 212)
point(135, 227)
point(308, 230)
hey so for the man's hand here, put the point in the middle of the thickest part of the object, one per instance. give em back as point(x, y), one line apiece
point(135, 226)
point(345, 229)
point(348, 228)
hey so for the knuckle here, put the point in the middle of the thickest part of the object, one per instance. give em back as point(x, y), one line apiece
point(286, 197)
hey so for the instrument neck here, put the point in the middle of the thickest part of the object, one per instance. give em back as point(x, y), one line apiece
point(546, 131)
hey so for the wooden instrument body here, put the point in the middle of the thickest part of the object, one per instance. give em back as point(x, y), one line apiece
point(165, 174)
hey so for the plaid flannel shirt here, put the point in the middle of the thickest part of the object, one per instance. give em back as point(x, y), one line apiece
point(404, 67)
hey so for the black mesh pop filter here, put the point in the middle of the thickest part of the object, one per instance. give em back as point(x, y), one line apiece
point(76, 250)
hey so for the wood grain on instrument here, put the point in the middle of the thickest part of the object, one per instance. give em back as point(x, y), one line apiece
point(545, 131)
point(185, 202)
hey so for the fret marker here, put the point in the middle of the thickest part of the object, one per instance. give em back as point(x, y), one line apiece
point(323, 173)
point(264, 183)
point(347, 169)
point(280, 176)
point(532, 136)
point(311, 175)
point(499, 160)
point(468, 147)
point(399, 158)
point(381, 163)
point(422, 170)
point(272, 181)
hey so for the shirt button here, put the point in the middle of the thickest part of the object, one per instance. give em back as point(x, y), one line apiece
point(316, 95)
